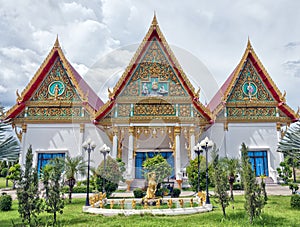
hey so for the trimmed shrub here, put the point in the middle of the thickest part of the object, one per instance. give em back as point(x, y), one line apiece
point(138, 193)
point(4, 172)
point(5, 202)
point(176, 192)
point(295, 201)
point(238, 186)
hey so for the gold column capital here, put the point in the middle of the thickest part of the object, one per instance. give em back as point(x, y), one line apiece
point(192, 130)
point(24, 128)
point(131, 130)
point(177, 130)
point(81, 128)
point(115, 131)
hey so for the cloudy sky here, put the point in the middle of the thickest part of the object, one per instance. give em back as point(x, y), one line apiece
point(99, 37)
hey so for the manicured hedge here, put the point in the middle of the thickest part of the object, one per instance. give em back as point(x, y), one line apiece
point(295, 201)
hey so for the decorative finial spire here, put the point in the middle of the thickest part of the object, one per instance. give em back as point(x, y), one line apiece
point(154, 21)
point(249, 46)
point(56, 44)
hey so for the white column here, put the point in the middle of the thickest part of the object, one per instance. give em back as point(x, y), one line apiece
point(130, 154)
point(23, 148)
point(192, 143)
point(177, 153)
point(115, 143)
point(81, 138)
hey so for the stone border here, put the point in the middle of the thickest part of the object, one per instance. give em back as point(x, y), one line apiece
point(154, 211)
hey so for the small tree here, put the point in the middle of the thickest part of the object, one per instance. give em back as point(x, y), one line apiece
point(285, 172)
point(192, 172)
point(112, 175)
point(220, 181)
point(254, 200)
point(159, 165)
point(14, 174)
point(232, 166)
point(52, 175)
point(73, 166)
point(30, 205)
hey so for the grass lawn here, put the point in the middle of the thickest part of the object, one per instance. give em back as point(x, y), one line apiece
point(3, 183)
point(276, 213)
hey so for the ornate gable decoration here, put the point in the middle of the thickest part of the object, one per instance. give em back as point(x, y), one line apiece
point(56, 85)
point(249, 94)
point(249, 87)
point(154, 85)
point(56, 93)
point(154, 76)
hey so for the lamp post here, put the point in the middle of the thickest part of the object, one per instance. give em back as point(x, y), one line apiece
point(104, 150)
point(206, 144)
point(88, 146)
point(198, 150)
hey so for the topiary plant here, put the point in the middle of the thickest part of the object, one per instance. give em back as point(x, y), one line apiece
point(176, 192)
point(138, 193)
point(295, 201)
point(5, 202)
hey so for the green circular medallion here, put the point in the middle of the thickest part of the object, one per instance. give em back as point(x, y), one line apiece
point(56, 88)
point(249, 89)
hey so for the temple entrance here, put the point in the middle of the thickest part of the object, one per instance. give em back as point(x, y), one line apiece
point(259, 162)
point(141, 156)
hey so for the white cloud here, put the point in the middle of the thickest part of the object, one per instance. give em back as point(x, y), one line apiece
point(216, 33)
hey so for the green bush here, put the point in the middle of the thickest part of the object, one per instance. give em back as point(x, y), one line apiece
point(4, 172)
point(176, 192)
point(5, 202)
point(295, 201)
point(138, 193)
point(238, 186)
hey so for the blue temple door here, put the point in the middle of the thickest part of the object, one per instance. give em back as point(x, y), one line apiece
point(259, 162)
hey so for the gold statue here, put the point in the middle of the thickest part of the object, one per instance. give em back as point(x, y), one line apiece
point(151, 186)
point(133, 204)
point(122, 203)
point(145, 203)
point(170, 203)
point(158, 203)
point(181, 203)
point(191, 202)
point(112, 202)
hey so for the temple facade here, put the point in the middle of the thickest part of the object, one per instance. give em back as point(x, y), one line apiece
point(152, 109)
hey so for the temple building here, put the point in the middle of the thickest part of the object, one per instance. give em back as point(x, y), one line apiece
point(152, 109)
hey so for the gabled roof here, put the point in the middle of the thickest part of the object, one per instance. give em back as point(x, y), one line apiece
point(153, 32)
point(218, 102)
point(89, 98)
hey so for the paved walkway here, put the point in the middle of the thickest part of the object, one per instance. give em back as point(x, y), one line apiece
point(271, 190)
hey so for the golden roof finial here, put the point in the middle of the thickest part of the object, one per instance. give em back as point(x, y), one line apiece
point(56, 44)
point(249, 46)
point(154, 20)
point(283, 96)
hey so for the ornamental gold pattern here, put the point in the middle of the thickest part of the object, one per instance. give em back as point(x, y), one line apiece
point(249, 76)
point(154, 75)
point(154, 109)
point(48, 112)
point(123, 110)
point(251, 112)
point(184, 110)
point(56, 73)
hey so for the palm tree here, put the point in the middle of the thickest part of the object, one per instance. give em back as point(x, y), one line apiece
point(73, 166)
point(232, 166)
point(9, 144)
point(290, 143)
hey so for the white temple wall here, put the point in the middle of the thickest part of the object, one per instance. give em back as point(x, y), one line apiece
point(63, 138)
point(256, 136)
